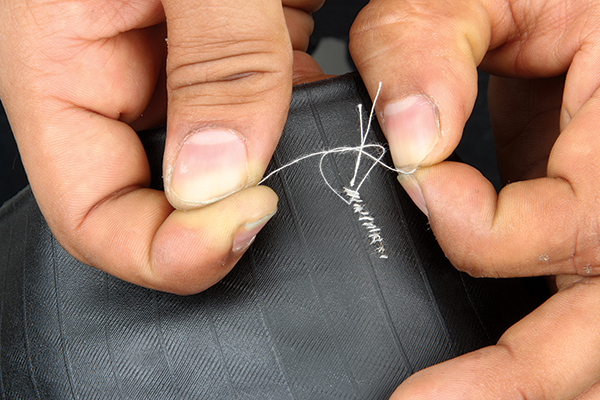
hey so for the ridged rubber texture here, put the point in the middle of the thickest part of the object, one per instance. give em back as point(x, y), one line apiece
point(310, 312)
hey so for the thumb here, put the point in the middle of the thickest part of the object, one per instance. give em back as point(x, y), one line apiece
point(425, 55)
point(229, 77)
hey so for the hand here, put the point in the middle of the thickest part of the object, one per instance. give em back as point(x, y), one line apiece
point(545, 114)
point(80, 77)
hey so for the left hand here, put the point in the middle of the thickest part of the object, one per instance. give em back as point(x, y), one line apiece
point(547, 220)
point(78, 78)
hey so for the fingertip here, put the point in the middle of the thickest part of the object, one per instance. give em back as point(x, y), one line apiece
point(527, 229)
point(195, 249)
point(428, 71)
point(457, 190)
point(485, 374)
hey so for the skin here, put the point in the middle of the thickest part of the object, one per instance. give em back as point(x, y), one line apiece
point(78, 86)
point(545, 110)
point(76, 89)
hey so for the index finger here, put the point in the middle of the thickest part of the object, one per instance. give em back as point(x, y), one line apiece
point(425, 55)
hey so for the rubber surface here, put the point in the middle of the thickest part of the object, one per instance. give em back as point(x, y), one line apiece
point(310, 312)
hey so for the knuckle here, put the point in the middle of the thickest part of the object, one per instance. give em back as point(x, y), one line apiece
point(226, 72)
point(247, 89)
point(475, 270)
point(226, 53)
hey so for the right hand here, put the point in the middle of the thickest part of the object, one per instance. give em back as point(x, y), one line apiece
point(545, 112)
point(78, 78)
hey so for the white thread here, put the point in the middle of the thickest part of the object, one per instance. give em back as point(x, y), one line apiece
point(369, 222)
point(354, 199)
point(364, 134)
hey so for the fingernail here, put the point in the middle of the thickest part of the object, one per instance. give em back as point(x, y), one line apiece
point(247, 233)
point(211, 165)
point(412, 130)
point(413, 189)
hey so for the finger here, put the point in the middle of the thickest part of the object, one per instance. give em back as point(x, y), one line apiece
point(229, 79)
point(553, 353)
point(87, 167)
point(155, 113)
point(66, 83)
point(306, 69)
point(181, 252)
point(582, 81)
point(544, 226)
point(300, 25)
point(426, 53)
point(552, 38)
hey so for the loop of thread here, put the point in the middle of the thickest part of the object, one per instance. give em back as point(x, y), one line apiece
point(351, 195)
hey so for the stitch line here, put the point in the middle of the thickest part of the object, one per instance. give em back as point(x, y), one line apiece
point(351, 196)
